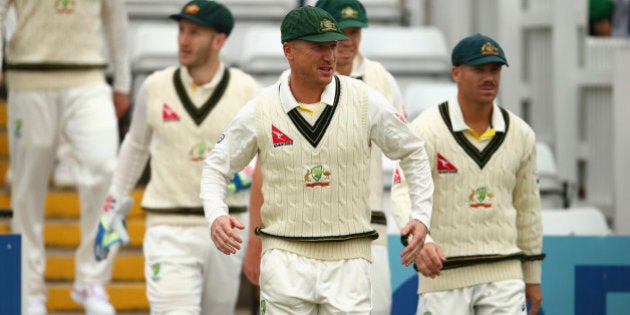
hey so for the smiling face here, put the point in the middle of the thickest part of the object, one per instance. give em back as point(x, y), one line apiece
point(312, 63)
point(477, 85)
point(348, 49)
point(198, 45)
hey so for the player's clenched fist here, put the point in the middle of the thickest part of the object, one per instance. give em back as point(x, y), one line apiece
point(430, 260)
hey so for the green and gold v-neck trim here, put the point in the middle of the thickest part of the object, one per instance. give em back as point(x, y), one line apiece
point(480, 157)
point(314, 134)
point(199, 114)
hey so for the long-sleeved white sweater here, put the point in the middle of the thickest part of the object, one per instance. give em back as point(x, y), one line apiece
point(486, 205)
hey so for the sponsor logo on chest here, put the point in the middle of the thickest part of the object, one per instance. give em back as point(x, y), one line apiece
point(444, 165)
point(279, 138)
point(168, 114)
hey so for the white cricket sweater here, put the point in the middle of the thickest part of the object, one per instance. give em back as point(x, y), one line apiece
point(184, 133)
point(485, 202)
point(315, 193)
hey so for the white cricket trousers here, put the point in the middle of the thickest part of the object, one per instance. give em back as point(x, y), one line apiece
point(296, 285)
point(85, 117)
point(187, 274)
point(501, 297)
point(381, 282)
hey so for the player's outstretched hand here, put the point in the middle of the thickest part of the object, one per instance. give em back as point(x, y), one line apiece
point(112, 228)
point(430, 260)
point(414, 232)
point(223, 235)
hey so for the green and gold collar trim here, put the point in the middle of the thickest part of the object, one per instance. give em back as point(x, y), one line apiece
point(480, 157)
point(200, 114)
point(314, 134)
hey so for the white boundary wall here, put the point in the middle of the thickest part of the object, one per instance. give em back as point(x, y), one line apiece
point(621, 141)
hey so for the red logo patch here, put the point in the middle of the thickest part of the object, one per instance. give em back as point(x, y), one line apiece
point(397, 178)
point(279, 138)
point(444, 166)
point(168, 113)
point(401, 117)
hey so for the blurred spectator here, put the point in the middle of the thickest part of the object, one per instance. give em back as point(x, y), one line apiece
point(600, 13)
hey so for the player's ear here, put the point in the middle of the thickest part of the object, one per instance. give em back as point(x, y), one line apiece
point(219, 40)
point(288, 49)
point(455, 73)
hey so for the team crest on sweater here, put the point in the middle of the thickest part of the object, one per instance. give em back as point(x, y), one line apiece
point(198, 152)
point(279, 138)
point(480, 198)
point(444, 165)
point(317, 176)
point(65, 6)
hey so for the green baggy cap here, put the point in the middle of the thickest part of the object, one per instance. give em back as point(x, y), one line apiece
point(207, 13)
point(310, 24)
point(477, 50)
point(599, 10)
point(347, 13)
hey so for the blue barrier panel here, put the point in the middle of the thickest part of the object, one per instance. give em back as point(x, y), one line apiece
point(593, 283)
point(404, 280)
point(581, 275)
point(10, 271)
point(570, 259)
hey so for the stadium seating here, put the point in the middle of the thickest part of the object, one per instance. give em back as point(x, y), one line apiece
point(152, 9)
point(404, 51)
point(260, 10)
point(423, 93)
point(553, 190)
point(154, 47)
point(416, 51)
point(262, 51)
point(575, 221)
point(253, 10)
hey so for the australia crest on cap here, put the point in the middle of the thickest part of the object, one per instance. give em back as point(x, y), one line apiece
point(489, 49)
point(326, 25)
point(349, 13)
point(192, 8)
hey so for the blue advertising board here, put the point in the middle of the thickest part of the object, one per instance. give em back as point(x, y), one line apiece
point(10, 274)
point(581, 276)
